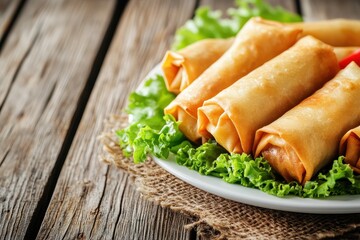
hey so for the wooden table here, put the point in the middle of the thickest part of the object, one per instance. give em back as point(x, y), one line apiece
point(65, 66)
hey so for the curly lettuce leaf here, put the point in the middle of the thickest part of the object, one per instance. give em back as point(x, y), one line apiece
point(149, 102)
point(339, 180)
point(145, 109)
point(157, 142)
point(199, 159)
point(210, 24)
point(205, 24)
point(252, 8)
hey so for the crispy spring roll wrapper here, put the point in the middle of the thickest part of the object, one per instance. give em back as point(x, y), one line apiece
point(257, 42)
point(335, 32)
point(233, 116)
point(307, 137)
point(342, 52)
point(183, 67)
point(350, 148)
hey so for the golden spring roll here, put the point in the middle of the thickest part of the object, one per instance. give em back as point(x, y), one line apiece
point(350, 148)
point(233, 116)
point(307, 137)
point(183, 67)
point(336, 32)
point(257, 42)
point(342, 52)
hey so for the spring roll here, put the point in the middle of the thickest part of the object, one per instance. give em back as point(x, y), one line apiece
point(350, 148)
point(335, 32)
point(183, 67)
point(342, 52)
point(257, 42)
point(233, 116)
point(307, 137)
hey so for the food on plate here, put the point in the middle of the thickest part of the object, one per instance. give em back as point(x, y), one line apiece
point(172, 135)
point(306, 138)
point(233, 116)
point(182, 67)
point(257, 42)
point(335, 32)
point(343, 52)
point(350, 148)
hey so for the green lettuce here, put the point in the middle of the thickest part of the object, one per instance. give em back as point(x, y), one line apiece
point(145, 109)
point(339, 180)
point(210, 24)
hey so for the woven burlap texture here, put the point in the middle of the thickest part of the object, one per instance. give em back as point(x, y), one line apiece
point(216, 217)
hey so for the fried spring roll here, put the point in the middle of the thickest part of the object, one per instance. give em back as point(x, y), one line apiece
point(257, 42)
point(350, 148)
point(183, 67)
point(342, 52)
point(233, 116)
point(307, 137)
point(336, 32)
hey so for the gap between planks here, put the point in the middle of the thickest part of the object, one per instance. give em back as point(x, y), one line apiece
point(18, 69)
point(135, 49)
point(40, 210)
point(33, 123)
point(7, 24)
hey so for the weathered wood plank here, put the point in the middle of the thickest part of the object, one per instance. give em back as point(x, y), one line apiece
point(326, 9)
point(7, 15)
point(44, 67)
point(8, 10)
point(92, 200)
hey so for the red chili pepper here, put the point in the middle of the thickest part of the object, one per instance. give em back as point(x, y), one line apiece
point(354, 57)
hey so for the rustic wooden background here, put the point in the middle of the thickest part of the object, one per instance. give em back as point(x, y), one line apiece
point(65, 66)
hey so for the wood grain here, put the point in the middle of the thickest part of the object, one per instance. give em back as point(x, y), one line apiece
point(92, 200)
point(8, 10)
point(44, 67)
point(327, 9)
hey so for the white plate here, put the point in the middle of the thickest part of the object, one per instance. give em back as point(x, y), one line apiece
point(255, 197)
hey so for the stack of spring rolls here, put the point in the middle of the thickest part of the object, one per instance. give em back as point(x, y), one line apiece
point(274, 91)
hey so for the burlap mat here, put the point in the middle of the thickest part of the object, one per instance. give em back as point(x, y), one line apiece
point(215, 217)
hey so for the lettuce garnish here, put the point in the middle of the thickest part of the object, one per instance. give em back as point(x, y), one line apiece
point(151, 133)
point(209, 24)
point(145, 109)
